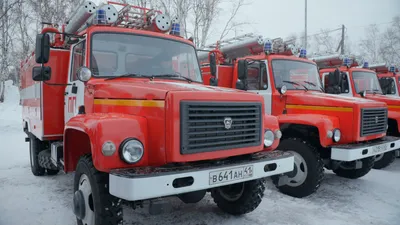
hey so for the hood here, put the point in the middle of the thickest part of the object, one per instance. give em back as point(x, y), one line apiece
point(137, 88)
point(389, 100)
point(323, 99)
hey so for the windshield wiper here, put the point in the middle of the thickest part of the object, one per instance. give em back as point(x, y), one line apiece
point(314, 85)
point(129, 75)
point(295, 83)
point(374, 91)
point(173, 75)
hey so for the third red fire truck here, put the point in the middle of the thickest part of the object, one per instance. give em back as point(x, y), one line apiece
point(350, 76)
point(327, 130)
point(116, 95)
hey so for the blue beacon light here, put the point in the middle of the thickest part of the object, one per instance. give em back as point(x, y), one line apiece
point(303, 53)
point(175, 29)
point(100, 16)
point(366, 65)
point(267, 47)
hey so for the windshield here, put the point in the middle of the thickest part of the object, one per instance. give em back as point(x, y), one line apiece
point(388, 85)
point(366, 81)
point(115, 54)
point(295, 74)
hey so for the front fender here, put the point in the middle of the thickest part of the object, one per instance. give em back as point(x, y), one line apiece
point(100, 128)
point(272, 123)
point(322, 122)
point(395, 116)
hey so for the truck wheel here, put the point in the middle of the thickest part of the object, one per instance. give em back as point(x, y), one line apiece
point(34, 149)
point(308, 170)
point(367, 164)
point(384, 160)
point(93, 204)
point(44, 159)
point(239, 199)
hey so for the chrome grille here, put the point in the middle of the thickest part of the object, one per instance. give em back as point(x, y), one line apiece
point(373, 121)
point(205, 126)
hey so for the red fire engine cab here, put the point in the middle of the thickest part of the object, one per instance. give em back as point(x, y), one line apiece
point(349, 76)
point(116, 95)
point(328, 131)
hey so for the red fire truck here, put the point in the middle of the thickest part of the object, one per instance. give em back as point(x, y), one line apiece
point(116, 95)
point(349, 76)
point(327, 130)
point(389, 78)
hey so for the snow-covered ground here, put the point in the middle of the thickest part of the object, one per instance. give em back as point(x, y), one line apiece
point(29, 200)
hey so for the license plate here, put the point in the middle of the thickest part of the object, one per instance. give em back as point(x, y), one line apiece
point(379, 148)
point(238, 173)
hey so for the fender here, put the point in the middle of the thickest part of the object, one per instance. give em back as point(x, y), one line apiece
point(395, 116)
point(272, 123)
point(322, 122)
point(85, 134)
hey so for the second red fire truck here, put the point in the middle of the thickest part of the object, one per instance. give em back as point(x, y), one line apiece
point(116, 96)
point(330, 131)
point(348, 76)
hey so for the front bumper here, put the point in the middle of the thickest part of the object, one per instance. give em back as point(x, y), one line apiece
point(363, 150)
point(147, 183)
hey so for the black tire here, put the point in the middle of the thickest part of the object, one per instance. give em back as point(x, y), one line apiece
point(35, 146)
point(44, 159)
point(107, 208)
point(314, 163)
point(367, 164)
point(248, 200)
point(387, 159)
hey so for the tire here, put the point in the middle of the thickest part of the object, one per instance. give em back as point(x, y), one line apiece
point(384, 161)
point(308, 163)
point(35, 146)
point(249, 196)
point(367, 164)
point(45, 162)
point(104, 208)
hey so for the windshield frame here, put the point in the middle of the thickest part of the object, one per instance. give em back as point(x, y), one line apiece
point(301, 87)
point(90, 55)
point(368, 91)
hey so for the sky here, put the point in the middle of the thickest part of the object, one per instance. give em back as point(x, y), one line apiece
point(281, 18)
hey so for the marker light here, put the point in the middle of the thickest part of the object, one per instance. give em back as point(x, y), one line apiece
point(267, 47)
point(347, 61)
point(303, 53)
point(175, 29)
point(268, 138)
point(100, 17)
point(366, 65)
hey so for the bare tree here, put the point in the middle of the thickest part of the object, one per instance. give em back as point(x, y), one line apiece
point(389, 48)
point(369, 46)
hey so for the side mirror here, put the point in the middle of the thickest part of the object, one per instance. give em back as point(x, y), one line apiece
point(42, 50)
point(241, 85)
point(242, 69)
point(213, 64)
point(41, 73)
point(282, 90)
point(84, 74)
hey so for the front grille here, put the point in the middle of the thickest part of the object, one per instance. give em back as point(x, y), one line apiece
point(203, 126)
point(373, 121)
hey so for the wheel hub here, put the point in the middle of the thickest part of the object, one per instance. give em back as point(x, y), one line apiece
point(79, 204)
point(300, 171)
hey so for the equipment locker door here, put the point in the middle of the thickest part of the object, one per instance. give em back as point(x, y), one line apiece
point(74, 93)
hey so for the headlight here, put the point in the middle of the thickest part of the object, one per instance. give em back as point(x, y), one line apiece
point(268, 138)
point(108, 148)
point(131, 150)
point(336, 135)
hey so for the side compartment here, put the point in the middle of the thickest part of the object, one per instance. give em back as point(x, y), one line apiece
point(40, 100)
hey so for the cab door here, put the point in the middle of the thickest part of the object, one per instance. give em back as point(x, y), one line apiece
point(74, 93)
point(264, 85)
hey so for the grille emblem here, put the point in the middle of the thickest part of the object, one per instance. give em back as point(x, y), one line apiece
point(376, 119)
point(228, 123)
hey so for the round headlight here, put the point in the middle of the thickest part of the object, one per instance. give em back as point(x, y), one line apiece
point(108, 148)
point(278, 134)
point(336, 135)
point(283, 89)
point(268, 138)
point(131, 150)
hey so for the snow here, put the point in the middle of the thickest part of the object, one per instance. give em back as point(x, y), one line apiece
point(26, 199)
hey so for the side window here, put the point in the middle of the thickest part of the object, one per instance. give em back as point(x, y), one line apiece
point(78, 59)
point(336, 82)
point(253, 76)
point(264, 77)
